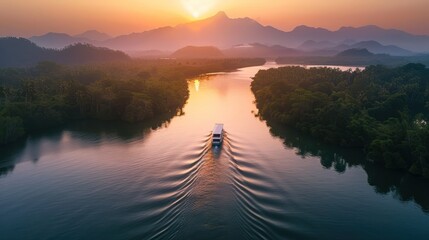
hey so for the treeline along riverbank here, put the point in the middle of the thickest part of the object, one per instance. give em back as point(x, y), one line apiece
point(133, 91)
point(382, 110)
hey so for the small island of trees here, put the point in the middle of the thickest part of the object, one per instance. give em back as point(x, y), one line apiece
point(382, 110)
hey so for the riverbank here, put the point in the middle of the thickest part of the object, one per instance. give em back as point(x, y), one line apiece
point(50, 94)
point(381, 110)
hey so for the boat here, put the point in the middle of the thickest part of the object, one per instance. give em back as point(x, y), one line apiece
point(217, 137)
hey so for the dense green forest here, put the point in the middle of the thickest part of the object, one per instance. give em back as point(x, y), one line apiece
point(50, 94)
point(383, 110)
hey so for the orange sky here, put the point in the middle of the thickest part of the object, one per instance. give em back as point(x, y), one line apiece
point(35, 17)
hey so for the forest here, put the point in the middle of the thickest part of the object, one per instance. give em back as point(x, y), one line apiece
point(382, 110)
point(50, 94)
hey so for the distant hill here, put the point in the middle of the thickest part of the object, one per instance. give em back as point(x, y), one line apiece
point(62, 40)
point(57, 40)
point(416, 43)
point(149, 54)
point(20, 52)
point(93, 35)
point(326, 48)
point(311, 45)
point(376, 47)
point(356, 52)
point(259, 50)
point(198, 52)
point(85, 53)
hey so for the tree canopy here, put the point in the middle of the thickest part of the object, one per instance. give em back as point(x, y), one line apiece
point(383, 110)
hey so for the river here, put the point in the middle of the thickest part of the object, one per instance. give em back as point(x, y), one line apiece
point(164, 180)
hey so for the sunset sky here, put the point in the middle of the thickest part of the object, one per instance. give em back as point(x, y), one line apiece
point(27, 18)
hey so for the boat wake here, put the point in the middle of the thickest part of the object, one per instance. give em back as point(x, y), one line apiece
point(260, 201)
point(204, 179)
point(159, 212)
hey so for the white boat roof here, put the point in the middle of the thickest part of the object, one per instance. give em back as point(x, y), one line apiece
point(218, 128)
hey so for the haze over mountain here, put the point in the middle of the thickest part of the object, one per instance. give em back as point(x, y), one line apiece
point(312, 45)
point(61, 40)
point(376, 47)
point(194, 52)
point(259, 50)
point(57, 40)
point(93, 35)
point(355, 52)
point(219, 31)
point(224, 32)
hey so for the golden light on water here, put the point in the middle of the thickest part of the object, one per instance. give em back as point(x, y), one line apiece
point(197, 8)
point(197, 85)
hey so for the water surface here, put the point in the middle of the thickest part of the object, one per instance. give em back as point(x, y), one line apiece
point(164, 180)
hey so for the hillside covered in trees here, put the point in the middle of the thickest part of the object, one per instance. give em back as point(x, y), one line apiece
point(384, 111)
point(50, 94)
point(20, 52)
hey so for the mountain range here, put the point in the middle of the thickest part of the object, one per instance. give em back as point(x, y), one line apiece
point(224, 32)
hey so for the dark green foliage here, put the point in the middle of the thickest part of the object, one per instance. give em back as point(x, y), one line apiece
point(10, 129)
point(36, 116)
point(50, 94)
point(382, 110)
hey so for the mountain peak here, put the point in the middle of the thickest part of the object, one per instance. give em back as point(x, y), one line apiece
point(55, 34)
point(305, 28)
point(94, 35)
point(221, 14)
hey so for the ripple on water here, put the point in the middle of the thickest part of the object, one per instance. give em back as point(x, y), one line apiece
point(158, 213)
point(261, 202)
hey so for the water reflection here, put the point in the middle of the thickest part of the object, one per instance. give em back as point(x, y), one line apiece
point(216, 151)
point(197, 85)
point(58, 139)
point(4, 170)
point(209, 192)
point(403, 186)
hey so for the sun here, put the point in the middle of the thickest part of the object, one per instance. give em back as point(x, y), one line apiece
point(198, 8)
